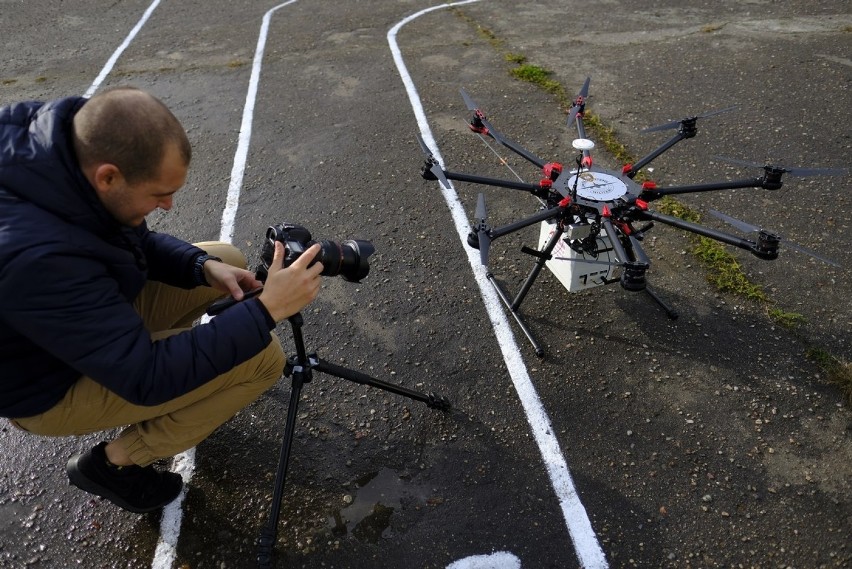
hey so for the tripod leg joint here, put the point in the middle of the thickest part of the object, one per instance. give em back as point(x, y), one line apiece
point(301, 369)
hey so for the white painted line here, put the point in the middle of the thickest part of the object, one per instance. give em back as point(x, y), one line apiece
point(238, 171)
point(166, 552)
point(498, 560)
point(586, 545)
point(184, 463)
point(111, 61)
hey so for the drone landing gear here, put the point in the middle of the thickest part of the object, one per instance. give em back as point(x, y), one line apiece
point(670, 312)
point(632, 280)
point(300, 367)
point(513, 305)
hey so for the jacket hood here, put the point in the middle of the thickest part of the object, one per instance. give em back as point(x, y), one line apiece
point(38, 163)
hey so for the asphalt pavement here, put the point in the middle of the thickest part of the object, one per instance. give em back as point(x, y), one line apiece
point(706, 441)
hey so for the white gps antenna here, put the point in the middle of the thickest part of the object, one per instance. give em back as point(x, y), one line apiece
point(583, 144)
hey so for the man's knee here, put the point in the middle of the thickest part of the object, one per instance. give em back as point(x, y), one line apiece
point(272, 362)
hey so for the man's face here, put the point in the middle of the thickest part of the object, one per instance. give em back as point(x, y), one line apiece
point(129, 204)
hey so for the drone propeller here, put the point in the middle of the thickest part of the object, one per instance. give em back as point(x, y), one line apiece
point(784, 170)
point(748, 228)
point(678, 123)
point(472, 106)
point(434, 168)
point(481, 229)
point(579, 102)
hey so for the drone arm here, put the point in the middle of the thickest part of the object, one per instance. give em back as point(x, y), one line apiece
point(615, 240)
point(633, 169)
point(543, 215)
point(641, 256)
point(656, 193)
point(532, 188)
point(480, 125)
point(520, 151)
point(745, 244)
point(635, 256)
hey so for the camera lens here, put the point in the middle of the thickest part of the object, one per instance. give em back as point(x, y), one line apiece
point(349, 259)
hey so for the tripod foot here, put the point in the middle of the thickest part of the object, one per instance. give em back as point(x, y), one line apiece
point(435, 401)
point(265, 545)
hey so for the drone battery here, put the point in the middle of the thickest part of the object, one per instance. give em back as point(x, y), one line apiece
point(567, 264)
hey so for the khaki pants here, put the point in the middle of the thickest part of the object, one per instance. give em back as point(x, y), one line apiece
point(164, 430)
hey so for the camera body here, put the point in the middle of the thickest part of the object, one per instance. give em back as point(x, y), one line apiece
point(349, 259)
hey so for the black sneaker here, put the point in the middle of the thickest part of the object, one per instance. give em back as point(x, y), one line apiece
point(134, 488)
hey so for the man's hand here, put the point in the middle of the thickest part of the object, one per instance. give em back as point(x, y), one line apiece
point(289, 290)
point(229, 279)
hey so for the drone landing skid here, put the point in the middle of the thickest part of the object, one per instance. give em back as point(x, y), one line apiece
point(585, 274)
point(670, 312)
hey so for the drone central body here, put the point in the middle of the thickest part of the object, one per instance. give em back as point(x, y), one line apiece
point(596, 188)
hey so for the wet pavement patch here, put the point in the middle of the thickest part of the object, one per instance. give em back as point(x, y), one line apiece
point(370, 507)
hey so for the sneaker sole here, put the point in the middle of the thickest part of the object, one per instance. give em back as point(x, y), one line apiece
point(78, 479)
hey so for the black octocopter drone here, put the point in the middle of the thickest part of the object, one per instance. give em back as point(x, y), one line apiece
point(588, 217)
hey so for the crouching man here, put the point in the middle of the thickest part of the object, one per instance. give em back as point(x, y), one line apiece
point(96, 310)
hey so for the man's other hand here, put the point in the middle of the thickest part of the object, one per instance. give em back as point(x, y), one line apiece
point(229, 279)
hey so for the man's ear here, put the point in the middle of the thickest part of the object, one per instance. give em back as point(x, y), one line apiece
point(106, 177)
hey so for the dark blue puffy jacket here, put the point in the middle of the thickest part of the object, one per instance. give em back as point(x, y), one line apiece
point(69, 274)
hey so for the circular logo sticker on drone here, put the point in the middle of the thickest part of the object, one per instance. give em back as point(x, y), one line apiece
point(598, 186)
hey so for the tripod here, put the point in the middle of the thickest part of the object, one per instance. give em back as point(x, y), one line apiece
point(300, 366)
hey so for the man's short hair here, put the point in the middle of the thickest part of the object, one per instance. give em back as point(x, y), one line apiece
point(130, 129)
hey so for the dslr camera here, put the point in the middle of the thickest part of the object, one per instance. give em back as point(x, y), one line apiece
point(349, 259)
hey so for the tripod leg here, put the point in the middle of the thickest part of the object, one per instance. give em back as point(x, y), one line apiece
point(300, 367)
point(268, 535)
point(431, 400)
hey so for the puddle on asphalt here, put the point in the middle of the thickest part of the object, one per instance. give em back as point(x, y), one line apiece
point(375, 497)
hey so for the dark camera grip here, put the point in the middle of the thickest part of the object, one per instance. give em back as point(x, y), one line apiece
point(220, 305)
